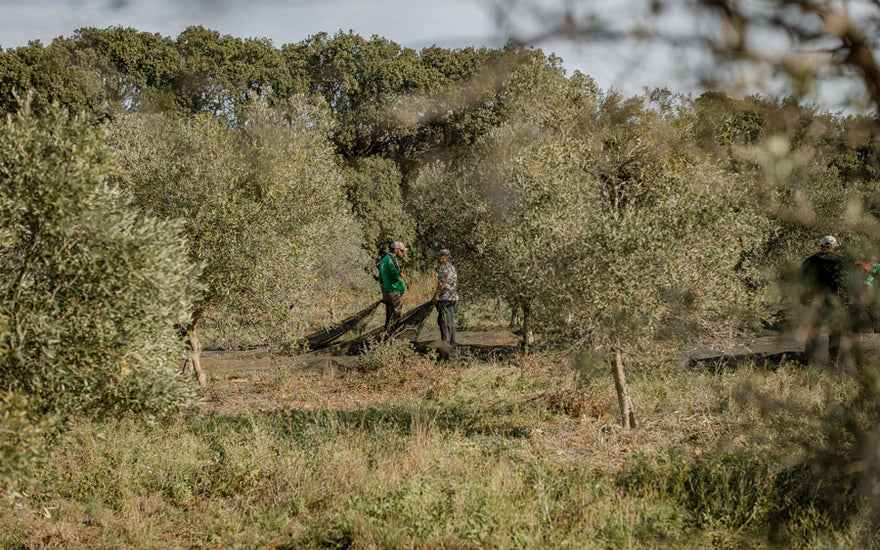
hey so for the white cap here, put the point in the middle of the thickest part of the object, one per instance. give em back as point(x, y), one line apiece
point(828, 241)
point(397, 244)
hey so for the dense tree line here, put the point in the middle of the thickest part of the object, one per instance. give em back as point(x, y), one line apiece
point(251, 178)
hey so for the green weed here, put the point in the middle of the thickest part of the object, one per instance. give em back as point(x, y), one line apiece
point(472, 456)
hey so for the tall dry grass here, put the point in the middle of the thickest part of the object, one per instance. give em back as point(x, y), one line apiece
point(515, 454)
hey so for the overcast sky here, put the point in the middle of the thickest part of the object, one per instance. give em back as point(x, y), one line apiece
point(411, 23)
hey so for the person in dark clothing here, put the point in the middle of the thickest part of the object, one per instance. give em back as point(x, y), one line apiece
point(393, 285)
point(822, 279)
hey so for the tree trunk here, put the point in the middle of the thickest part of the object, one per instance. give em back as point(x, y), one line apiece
point(514, 313)
point(193, 363)
point(627, 410)
point(527, 336)
point(333, 307)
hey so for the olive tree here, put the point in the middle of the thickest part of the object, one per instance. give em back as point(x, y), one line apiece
point(91, 290)
point(261, 202)
point(597, 218)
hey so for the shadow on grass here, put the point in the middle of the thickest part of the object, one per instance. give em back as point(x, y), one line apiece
point(747, 490)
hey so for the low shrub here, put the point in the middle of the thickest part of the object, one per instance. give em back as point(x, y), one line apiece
point(743, 491)
point(380, 354)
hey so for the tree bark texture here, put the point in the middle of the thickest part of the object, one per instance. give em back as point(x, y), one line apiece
point(627, 410)
point(193, 363)
point(527, 336)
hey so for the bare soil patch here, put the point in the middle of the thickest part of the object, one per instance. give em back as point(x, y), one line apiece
point(259, 380)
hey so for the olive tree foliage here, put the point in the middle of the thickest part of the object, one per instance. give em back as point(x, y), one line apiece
point(590, 211)
point(816, 171)
point(262, 203)
point(373, 188)
point(91, 290)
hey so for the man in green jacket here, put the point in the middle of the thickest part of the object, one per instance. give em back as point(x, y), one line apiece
point(393, 285)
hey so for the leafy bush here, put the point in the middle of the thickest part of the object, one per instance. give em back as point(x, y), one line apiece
point(91, 293)
point(373, 189)
point(262, 204)
point(744, 491)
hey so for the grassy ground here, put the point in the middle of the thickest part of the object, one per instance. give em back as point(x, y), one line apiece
point(405, 452)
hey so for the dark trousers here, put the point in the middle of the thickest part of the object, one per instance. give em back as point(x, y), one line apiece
point(825, 315)
point(393, 307)
point(446, 320)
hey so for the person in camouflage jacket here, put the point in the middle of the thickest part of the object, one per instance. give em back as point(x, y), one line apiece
point(446, 297)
